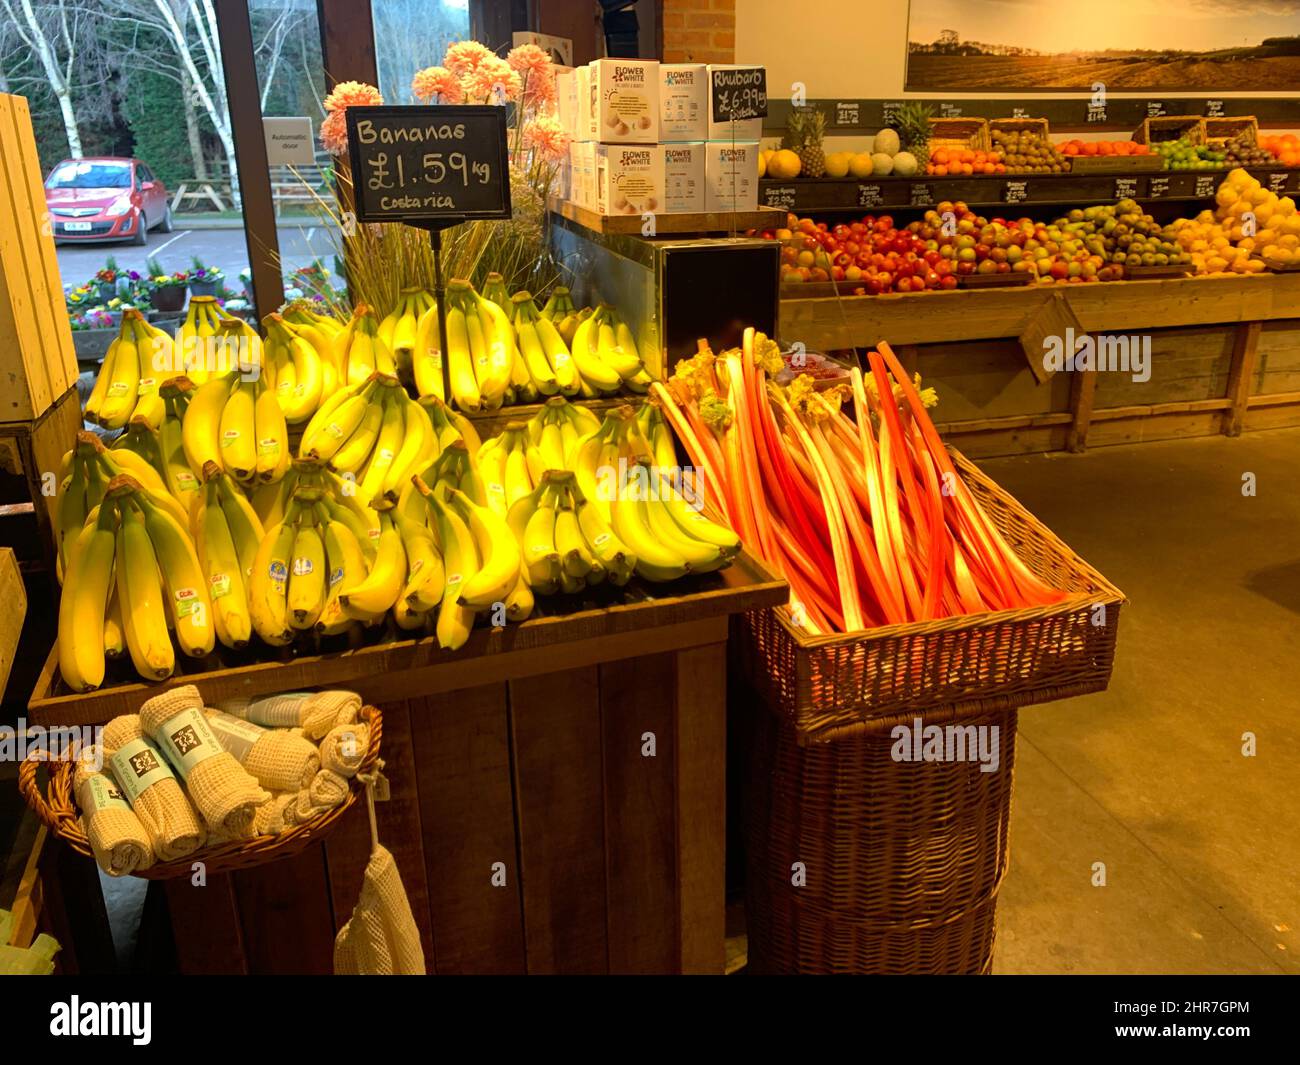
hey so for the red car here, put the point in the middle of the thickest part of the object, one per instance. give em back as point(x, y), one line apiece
point(106, 199)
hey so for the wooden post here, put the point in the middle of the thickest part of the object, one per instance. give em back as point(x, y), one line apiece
point(1083, 388)
point(1245, 355)
point(236, 37)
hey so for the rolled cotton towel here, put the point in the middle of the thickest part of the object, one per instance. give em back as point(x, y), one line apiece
point(117, 837)
point(269, 820)
point(343, 748)
point(155, 795)
point(224, 792)
point(314, 712)
point(327, 789)
point(279, 759)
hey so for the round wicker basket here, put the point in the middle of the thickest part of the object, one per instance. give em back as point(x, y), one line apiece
point(57, 809)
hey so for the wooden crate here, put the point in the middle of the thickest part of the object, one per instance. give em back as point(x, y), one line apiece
point(37, 361)
point(1115, 164)
point(585, 774)
point(961, 133)
point(1243, 127)
point(13, 596)
point(1171, 128)
point(39, 447)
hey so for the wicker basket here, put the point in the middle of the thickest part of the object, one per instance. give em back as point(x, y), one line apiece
point(1244, 127)
point(1171, 128)
point(56, 808)
point(844, 684)
point(1020, 125)
point(972, 133)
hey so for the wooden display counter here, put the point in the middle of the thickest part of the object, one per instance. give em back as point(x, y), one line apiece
point(1225, 357)
point(557, 794)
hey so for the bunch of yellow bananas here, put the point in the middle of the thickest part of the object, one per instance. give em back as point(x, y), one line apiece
point(544, 353)
point(234, 420)
point(127, 384)
point(319, 330)
point(292, 366)
point(640, 494)
point(400, 327)
point(373, 434)
point(132, 573)
point(227, 533)
point(193, 353)
point(481, 350)
point(560, 311)
point(337, 495)
point(359, 351)
point(84, 474)
point(606, 355)
point(175, 393)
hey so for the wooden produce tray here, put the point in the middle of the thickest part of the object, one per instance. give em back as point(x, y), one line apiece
point(1115, 164)
point(972, 133)
point(670, 224)
point(1011, 279)
point(1171, 128)
point(1244, 127)
point(1019, 125)
point(606, 620)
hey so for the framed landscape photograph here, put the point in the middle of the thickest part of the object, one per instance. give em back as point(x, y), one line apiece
point(1126, 45)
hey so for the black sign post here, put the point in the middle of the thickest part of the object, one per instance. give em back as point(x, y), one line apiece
point(432, 168)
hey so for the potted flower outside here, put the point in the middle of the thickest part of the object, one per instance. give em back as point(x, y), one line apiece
point(168, 292)
point(204, 280)
point(246, 280)
point(106, 281)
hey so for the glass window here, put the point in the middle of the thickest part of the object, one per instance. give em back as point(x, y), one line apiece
point(411, 35)
point(83, 175)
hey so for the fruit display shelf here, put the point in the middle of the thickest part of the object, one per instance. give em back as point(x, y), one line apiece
point(665, 224)
point(524, 751)
point(1010, 190)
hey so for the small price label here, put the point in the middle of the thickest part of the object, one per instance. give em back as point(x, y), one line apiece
point(1205, 185)
point(782, 196)
point(922, 196)
point(1277, 182)
point(950, 110)
point(848, 113)
point(1155, 109)
point(1126, 188)
point(1015, 192)
point(739, 93)
point(1213, 108)
point(1159, 187)
point(870, 196)
point(1096, 113)
point(1019, 112)
point(889, 112)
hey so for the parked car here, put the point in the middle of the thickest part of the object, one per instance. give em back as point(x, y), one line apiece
point(106, 198)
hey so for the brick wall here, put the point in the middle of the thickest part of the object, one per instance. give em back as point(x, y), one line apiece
point(699, 31)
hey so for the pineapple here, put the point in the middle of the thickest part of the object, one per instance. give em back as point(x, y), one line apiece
point(914, 129)
point(806, 129)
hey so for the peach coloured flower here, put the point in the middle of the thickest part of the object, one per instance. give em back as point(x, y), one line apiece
point(548, 137)
point(463, 57)
point(334, 133)
point(492, 82)
point(352, 94)
point(437, 85)
point(539, 92)
point(530, 61)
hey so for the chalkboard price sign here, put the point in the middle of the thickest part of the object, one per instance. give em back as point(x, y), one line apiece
point(739, 93)
point(423, 165)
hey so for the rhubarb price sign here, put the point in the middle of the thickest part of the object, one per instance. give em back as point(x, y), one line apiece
point(738, 93)
point(427, 165)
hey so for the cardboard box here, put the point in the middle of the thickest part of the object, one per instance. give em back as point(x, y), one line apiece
point(749, 129)
point(626, 100)
point(566, 100)
point(731, 176)
point(683, 102)
point(584, 126)
point(684, 177)
point(629, 178)
point(582, 173)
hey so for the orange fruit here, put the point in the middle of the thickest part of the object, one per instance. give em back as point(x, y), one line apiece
point(941, 157)
point(941, 170)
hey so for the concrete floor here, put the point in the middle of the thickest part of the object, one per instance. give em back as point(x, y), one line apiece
point(1201, 845)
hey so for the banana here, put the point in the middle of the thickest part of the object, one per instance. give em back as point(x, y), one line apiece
point(388, 443)
point(551, 445)
point(238, 433)
point(297, 369)
point(272, 435)
point(201, 429)
point(347, 566)
point(520, 601)
point(425, 577)
point(359, 350)
point(460, 563)
point(575, 556)
point(504, 366)
point(596, 373)
point(353, 452)
point(606, 548)
point(114, 633)
point(558, 355)
point(336, 422)
point(72, 509)
point(700, 556)
point(307, 575)
point(83, 602)
point(539, 554)
point(464, 380)
point(180, 479)
point(246, 528)
point(494, 289)
point(558, 305)
point(497, 551)
point(416, 451)
point(140, 592)
point(402, 341)
point(268, 585)
point(373, 596)
point(118, 403)
point(223, 567)
point(426, 355)
point(655, 560)
point(100, 390)
point(407, 619)
point(516, 477)
point(610, 351)
point(189, 605)
point(694, 524)
point(491, 462)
